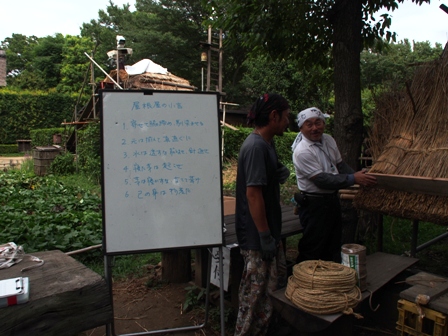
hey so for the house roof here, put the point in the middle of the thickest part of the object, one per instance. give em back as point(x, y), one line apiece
point(146, 74)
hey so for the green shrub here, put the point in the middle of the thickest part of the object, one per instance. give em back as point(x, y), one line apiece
point(44, 137)
point(8, 149)
point(234, 139)
point(27, 166)
point(89, 152)
point(63, 164)
point(24, 111)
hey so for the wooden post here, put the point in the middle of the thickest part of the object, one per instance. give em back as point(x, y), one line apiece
point(414, 238)
point(176, 265)
point(201, 267)
point(379, 241)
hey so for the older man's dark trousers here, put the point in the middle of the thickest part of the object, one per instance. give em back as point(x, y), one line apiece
point(321, 220)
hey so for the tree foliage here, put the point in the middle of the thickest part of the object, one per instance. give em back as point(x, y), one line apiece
point(310, 32)
point(395, 63)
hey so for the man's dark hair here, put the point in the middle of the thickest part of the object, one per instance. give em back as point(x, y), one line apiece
point(259, 112)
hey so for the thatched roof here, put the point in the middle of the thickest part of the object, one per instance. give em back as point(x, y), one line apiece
point(159, 82)
point(146, 74)
point(410, 138)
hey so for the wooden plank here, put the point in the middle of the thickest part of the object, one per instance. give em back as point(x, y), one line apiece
point(381, 268)
point(290, 225)
point(413, 184)
point(434, 286)
point(66, 298)
point(426, 284)
point(440, 305)
point(297, 318)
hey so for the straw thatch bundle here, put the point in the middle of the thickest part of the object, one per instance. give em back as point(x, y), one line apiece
point(151, 80)
point(159, 82)
point(410, 138)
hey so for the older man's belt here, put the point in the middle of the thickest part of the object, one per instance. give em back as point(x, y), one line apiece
point(320, 195)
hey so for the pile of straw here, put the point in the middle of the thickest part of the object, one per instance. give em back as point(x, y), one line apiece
point(149, 80)
point(410, 138)
point(159, 82)
point(323, 287)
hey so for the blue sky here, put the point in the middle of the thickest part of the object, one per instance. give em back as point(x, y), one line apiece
point(47, 17)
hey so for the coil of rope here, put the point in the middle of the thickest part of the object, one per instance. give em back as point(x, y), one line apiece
point(323, 287)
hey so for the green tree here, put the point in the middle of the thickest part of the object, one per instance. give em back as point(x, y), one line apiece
point(301, 87)
point(18, 49)
point(47, 59)
point(164, 31)
point(395, 63)
point(75, 66)
point(34, 63)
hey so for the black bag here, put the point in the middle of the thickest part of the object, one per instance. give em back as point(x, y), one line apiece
point(300, 199)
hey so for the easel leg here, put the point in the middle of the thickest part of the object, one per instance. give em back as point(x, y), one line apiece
point(110, 328)
point(221, 291)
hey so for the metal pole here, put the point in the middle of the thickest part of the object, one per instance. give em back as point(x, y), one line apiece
point(92, 81)
point(209, 57)
point(118, 66)
point(222, 131)
point(220, 61)
point(221, 291)
point(108, 76)
point(414, 238)
point(430, 242)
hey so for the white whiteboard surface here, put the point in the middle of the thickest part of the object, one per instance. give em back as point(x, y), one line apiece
point(161, 170)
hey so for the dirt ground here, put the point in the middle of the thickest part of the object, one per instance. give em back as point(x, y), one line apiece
point(147, 304)
point(7, 162)
point(139, 308)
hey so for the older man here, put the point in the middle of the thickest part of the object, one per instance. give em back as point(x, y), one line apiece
point(321, 172)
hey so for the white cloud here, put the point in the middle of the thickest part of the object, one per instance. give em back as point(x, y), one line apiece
point(420, 23)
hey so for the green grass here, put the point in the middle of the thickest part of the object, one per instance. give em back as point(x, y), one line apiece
point(27, 166)
point(13, 154)
point(397, 236)
point(123, 266)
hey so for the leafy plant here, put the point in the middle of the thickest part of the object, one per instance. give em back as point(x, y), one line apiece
point(41, 213)
point(27, 165)
point(89, 151)
point(193, 297)
point(63, 164)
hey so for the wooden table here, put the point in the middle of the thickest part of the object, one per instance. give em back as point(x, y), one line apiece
point(290, 227)
point(434, 286)
point(65, 298)
point(381, 268)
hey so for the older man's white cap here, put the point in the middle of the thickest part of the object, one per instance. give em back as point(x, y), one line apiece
point(312, 112)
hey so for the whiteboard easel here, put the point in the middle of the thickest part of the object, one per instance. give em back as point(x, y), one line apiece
point(161, 169)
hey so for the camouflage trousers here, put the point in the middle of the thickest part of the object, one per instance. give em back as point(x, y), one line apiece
point(258, 280)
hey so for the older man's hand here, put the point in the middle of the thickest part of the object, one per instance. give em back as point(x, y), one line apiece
point(364, 179)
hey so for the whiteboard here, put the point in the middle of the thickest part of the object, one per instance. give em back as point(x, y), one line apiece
point(161, 166)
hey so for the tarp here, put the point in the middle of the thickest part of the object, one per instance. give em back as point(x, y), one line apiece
point(145, 65)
